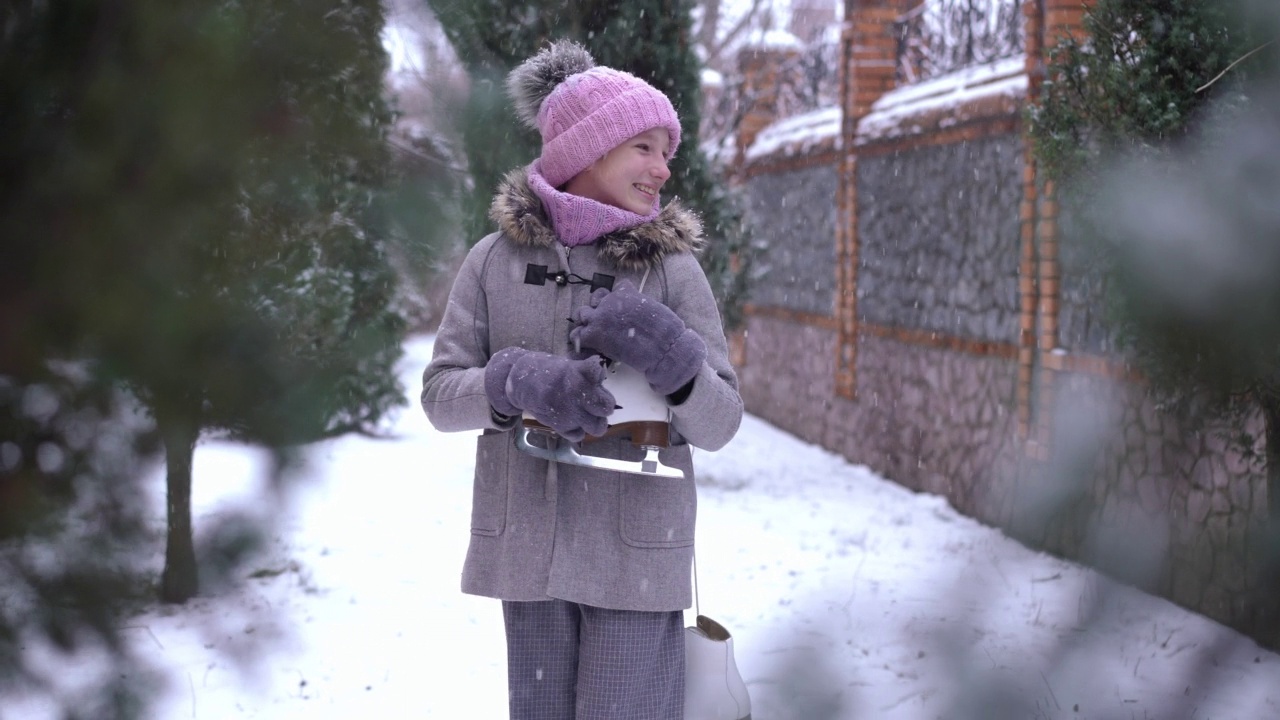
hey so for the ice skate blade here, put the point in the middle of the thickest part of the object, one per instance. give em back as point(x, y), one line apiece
point(563, 452)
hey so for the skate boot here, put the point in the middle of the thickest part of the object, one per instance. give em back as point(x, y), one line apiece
point(713, 687)
point(642, 417)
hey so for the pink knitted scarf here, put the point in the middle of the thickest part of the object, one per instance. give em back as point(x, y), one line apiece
point(578, 220)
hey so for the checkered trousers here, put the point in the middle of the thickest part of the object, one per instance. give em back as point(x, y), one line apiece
point(567, 661)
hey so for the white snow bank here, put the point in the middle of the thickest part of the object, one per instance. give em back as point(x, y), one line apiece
point(849, 597)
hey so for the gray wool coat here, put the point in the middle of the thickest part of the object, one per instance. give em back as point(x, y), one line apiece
point(544, 530)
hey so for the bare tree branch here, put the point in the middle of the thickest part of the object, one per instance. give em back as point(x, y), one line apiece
point(1246, 56)
point(745, 23)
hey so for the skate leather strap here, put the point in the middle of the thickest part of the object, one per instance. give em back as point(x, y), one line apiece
point(552, 481)
point(640, 432)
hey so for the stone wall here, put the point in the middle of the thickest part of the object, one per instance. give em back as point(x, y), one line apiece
point(1158, 500)
point(933, 420)
point(938, 235)
point(801, 399)
point(927, 314)
point(1132, 490)
point(793, 214)
point(938, 238)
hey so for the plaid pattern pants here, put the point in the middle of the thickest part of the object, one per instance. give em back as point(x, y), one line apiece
point(567, 661)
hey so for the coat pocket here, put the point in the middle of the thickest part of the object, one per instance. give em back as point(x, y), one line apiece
point(657, 512)
point(489, 487)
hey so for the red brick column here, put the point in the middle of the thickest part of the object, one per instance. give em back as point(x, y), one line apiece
point(1028, 287)
point(1048, 22)
point(868, 70)
point(1064, 18)
point(873, 51)
point(761, 71)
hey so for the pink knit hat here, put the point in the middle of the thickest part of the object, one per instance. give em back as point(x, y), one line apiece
point(584, 110)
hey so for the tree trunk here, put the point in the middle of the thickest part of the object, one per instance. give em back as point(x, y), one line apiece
point(1271, 418)
point(710, 23)
point(1269, 622)
point(179, 581)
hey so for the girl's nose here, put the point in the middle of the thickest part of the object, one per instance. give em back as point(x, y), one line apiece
point(661, 171)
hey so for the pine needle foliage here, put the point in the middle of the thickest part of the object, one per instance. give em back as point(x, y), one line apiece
point(1146, 81)
point(1133, 79)
point(193, 241)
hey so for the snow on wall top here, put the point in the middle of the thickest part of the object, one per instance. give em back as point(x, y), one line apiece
point(892, 114)
point(772, 40)
point(798, 135)
point(722, 153)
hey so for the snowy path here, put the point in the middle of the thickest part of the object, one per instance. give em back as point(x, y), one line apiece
point(849, 597)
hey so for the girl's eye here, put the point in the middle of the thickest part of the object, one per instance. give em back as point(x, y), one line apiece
point(643, 146)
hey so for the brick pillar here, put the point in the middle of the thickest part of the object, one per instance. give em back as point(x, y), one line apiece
point(761, 71)
point(1061, 19)
point(873, 51)
point(1028, 287)
point(868, 70)
point(1048, 23)
point(1064, 18)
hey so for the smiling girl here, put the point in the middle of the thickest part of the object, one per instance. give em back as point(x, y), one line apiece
point(592, 566)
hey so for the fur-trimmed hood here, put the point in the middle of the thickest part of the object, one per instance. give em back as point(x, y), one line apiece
point(520, 216)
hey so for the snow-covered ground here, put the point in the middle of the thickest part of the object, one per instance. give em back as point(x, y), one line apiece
point(849, 597)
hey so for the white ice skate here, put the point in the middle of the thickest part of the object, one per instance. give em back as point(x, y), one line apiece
point(642, 416)
point(713, 687)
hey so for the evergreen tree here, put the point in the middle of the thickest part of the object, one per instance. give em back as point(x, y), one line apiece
point(651, 39)
point(1139, 83)
point(1134, 80)
point(191, 213)
point(1168, 170)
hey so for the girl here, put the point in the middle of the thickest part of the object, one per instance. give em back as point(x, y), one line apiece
point(592, 566)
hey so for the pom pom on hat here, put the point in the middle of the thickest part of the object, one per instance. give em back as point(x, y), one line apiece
point(583, 110)
point(534, 79)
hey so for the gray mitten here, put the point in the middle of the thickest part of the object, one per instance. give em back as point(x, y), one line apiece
point(565, 395)
point(634, 329)
point(495, 379)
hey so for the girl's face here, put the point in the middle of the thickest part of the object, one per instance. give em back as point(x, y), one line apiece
point(630, 175)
